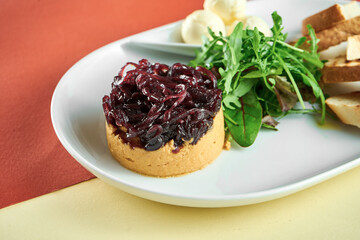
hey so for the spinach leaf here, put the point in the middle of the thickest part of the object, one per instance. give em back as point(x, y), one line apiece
point(261, 76)
point(244, 123)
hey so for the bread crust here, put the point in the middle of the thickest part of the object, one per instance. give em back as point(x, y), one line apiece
point(165, 163)
point(324, 19)
point(335, 35)
point(338, 33)
point(346, 107)
point(339, 70)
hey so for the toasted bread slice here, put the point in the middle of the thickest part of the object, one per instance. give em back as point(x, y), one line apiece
point(350, 49)
point(338, 33)
point(346, 107)
point(339, 70)
point(353, 48)
point(335, 35)
point(324, 19)
point(331, 16)
point(334, 51)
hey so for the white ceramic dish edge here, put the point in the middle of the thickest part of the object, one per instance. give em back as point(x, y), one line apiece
point(183, 200)
point(190, 201)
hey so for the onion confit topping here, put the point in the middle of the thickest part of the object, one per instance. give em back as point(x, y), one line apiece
point(152, 104)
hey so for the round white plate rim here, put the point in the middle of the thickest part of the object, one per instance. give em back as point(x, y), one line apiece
point(208, 200)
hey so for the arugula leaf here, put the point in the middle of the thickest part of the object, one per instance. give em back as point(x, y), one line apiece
point(232, 99)
point(251, 67)
point(313, 40)
point(235, 43)
point(232, 56)
point(310, 57)
point(291, 77)
point(300, 42)
point(277, 29)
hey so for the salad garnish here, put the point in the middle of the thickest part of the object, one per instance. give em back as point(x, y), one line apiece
point(262, 78)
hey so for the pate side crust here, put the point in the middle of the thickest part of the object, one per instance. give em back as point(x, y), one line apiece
point(163, 162)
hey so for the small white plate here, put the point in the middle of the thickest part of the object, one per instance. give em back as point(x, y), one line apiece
point(166, 39)
point(297, 156)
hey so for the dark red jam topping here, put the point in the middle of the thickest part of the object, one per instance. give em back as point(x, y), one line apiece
point(154, 103)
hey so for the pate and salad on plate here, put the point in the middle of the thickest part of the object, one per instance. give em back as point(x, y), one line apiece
point(271, 103)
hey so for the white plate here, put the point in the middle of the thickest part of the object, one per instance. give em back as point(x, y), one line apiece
point(299, 155)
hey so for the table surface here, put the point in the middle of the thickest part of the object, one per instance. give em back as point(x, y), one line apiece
point(95, 210)
point(40, 40)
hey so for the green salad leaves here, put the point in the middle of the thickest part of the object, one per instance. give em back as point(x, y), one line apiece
point(262, 77)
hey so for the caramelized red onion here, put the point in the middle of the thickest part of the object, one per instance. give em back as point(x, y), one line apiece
point(152, 104)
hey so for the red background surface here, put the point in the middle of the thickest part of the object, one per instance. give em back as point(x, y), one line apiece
point(39, 41)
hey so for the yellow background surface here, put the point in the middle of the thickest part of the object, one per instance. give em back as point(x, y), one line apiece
point(95, 210)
